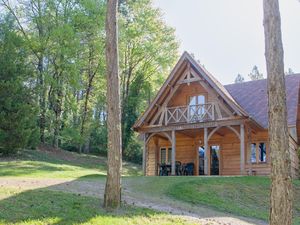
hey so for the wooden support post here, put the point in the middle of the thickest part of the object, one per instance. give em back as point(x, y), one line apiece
point(242, 145)
point(144, 154)
point(173, 152)
point(156, 156)
point(206, 171)
point(197, 157)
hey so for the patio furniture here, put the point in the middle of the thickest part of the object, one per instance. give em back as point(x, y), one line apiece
point(189, 169)
point(178, 168)
point(164, 170)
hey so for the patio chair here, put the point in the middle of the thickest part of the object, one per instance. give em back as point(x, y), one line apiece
point(178, 168)
point(189, 169)
point(163, 170)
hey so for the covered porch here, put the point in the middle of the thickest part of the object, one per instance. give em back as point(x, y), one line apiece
point(218, 150)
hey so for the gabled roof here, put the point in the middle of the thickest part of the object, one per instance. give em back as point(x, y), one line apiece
point(252, 96)
point(209, 78)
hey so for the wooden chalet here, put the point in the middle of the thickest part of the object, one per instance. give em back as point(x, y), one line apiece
point(219, 130)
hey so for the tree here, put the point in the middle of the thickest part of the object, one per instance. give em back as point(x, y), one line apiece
point(66, 46)
point(17, 97)
point(112, 195)
point(239, 79)
point(147, 49)
point(35, 13)
point(281, 186)
point(290, 71)
point(255, 74)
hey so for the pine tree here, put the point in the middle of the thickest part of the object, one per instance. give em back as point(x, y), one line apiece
point(17, 109)
point(255, 74)
point(112, 196)
point(239, 79)
point(281, 187)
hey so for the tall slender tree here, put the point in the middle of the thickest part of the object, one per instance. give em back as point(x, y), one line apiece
point(239, 79)
point(255, 74)
point(281, 187)
point(112, 195)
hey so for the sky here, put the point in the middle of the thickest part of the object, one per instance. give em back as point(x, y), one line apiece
point(227, 36)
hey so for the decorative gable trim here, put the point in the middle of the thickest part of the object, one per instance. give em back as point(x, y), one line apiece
point(178, 77)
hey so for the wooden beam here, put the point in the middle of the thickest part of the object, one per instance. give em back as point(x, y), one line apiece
point(190, 126)
point(197, 156)
point(242, 146)
point(180, 65)
point(211, 91)
point(185, 134)
point(172, 91)
point(173, 153)
point(156, 156)
point(206, 171)
point(144, 154)
point(187, 81)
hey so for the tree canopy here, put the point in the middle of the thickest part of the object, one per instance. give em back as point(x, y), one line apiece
point(63, 69)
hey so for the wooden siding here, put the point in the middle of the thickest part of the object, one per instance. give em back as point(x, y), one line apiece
point(181, 97)
point(187, 151)
point(293, 147)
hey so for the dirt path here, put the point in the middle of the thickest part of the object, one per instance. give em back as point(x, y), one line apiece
point(95, 189)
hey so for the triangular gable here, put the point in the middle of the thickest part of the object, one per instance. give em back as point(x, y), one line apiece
point(178, 74)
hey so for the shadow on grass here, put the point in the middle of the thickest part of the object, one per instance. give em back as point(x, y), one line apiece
point(53, 205)
point(33, 162)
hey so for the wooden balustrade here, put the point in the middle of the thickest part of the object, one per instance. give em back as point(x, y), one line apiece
point(190, 113)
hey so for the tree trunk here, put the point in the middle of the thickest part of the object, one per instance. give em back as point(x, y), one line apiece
point(281, 187)
point(112, 196)
point(42, 99)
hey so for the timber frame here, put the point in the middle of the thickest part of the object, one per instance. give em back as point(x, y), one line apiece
point(172, 121)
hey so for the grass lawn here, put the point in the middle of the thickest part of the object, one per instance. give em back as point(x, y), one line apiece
point(52, 207)
point(243, 196)
point(59, 164)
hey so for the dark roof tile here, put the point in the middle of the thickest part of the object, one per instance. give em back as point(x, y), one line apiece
point(252, 96)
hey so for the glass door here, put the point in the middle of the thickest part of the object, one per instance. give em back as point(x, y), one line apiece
point(196, 110)
point(201, 155)
point(214, 159)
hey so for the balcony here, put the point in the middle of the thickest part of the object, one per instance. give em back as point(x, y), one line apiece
point(190, 114)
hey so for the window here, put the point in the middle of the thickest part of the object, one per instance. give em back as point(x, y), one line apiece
point(169, 155)
point(258, 152)
point(165, 156)
point(253, 152)
point(197, 100)
point(195, 111)
point(262, 152)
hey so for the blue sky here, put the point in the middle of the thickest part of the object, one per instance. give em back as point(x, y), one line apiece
point(228, 36)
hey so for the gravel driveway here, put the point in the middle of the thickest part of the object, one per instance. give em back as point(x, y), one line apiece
point(95, 189)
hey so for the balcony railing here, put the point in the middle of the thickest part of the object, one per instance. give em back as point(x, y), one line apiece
point(190, 113)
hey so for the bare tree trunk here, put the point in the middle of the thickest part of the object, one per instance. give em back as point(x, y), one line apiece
point(112, 196)
point(281, 187)
point(42, 99)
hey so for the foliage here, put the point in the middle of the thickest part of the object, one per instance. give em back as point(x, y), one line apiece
point(147, 50)
point(255, 74)
point(239, 79)
point(289, 71)
point(65, 41)
point(17, 101)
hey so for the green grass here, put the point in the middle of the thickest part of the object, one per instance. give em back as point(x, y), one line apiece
point(59, 164)
point(53, 207)
point(244, 196)
point(241, 196)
